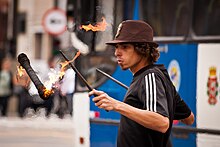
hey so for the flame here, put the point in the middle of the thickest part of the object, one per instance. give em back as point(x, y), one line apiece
point(20, 71)
point(47, 92)
point(100, 26)
point(55, 76)
point(64, 64)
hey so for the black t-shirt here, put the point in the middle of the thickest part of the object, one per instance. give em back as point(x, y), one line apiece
point(151, 89)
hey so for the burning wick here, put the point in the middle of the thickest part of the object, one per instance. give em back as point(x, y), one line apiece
point(42, 90)
point(100, 26)
point(20, 71)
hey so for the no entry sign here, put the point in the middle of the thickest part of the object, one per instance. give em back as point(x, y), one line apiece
point(54, 21)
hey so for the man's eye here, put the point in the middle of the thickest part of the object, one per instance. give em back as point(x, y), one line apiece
point(124, 46)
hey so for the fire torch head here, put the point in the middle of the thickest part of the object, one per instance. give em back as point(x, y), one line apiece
point(23, 59)
point(25, 63)
point(45, 93)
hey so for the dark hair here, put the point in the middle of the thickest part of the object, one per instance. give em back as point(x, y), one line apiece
point(149, 51)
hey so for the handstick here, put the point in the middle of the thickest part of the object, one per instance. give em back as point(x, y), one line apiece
point(113, 79)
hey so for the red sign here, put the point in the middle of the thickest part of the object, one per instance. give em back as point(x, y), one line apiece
point(54, 21)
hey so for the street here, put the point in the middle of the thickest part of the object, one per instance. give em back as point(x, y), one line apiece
point(36, 132)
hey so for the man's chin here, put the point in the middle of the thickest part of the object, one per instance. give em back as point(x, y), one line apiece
point(123, 68)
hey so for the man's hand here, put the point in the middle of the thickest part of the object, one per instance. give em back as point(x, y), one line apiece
point(103, 100)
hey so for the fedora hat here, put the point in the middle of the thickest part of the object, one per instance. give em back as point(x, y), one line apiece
point(133, 31)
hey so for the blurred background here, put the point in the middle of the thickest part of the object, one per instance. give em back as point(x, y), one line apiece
point(187, 31)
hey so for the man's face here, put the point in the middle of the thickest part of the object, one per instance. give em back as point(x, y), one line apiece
point(127, 57)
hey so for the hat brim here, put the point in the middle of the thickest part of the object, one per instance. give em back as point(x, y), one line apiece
point(114, 42)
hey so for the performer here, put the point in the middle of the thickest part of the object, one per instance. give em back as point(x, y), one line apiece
point(151, 102)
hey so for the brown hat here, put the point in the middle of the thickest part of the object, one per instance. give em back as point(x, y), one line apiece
point(133, 31)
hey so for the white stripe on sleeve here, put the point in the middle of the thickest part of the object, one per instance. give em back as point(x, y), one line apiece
point(151, 96)
point(147, 93)
point(155, 92)
point(151, 92)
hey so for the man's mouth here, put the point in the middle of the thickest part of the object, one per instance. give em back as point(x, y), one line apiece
point(119, 61)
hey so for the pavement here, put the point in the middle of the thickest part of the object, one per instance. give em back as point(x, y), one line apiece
point(36, 131)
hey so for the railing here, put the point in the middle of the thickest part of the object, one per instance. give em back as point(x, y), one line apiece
point(175, 129)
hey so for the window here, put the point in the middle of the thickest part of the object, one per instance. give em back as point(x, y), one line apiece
point(168, 18)
point(206, 20)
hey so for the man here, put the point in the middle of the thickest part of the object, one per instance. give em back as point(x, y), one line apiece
point(151, 102)
point(67, 88)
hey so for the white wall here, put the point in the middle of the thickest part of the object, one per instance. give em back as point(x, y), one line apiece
point(34, 9)
point(208, 115)
point(81, 119)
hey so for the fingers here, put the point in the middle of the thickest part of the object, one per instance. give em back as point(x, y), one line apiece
point(104, 104)
point(99, 95)
point(95, 92)
point(101, 99)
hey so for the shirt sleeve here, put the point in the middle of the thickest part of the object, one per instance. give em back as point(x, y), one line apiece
point(182, 110)
point(155, 96)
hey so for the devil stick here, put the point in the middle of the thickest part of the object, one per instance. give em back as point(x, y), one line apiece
point(113, 79)
point(25, 63)
point(78, 73)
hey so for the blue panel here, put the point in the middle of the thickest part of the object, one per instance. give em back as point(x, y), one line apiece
point(103, 135)
point(186, 56)
point(136, 10)
point(183, 140)
point(106, 135)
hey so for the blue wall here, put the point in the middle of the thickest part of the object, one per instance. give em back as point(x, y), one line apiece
point(186, 56)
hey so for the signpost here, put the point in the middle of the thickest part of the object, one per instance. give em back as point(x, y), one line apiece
point(54, 21)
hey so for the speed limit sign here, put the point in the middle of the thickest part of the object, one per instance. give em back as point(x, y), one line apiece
point(54, 21)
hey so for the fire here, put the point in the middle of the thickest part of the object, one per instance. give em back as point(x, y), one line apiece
point(21, 76)
point(55, 76)
point(47, 92)
point(20, 71)
point(64, 64)
point(100, 26)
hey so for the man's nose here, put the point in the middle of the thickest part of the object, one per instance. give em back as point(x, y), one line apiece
point(117, 52)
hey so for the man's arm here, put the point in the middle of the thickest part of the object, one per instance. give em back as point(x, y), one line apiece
point(189, 120)
point(182, 111)
point(148, 119)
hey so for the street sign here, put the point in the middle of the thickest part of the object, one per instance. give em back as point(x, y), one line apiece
point(54, 21)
